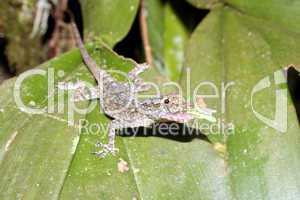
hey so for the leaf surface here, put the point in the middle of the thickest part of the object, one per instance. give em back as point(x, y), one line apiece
point(203, 3)
point(167, 36)
point(233, 47)
point(108, 20)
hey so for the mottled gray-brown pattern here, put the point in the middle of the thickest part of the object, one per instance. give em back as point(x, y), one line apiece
point(119, 100)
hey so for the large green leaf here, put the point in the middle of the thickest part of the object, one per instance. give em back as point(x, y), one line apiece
point(36, 150)
point(41, 157)
point(108, 20)
point(283, 13)
point(232, 46)
point(167, 36)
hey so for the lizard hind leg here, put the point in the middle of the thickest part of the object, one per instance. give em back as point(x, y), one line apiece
point(114, 125)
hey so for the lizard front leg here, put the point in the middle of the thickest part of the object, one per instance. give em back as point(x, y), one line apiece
point(117, 125)
point(133, 75)
point(139, 68)
point(110, 146)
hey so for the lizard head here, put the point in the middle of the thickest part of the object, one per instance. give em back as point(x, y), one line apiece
point(168, 108)
point(174, 108)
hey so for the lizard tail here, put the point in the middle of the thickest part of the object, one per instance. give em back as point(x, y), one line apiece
point(90, 63)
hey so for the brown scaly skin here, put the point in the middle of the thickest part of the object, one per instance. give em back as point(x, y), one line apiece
point(119, 100)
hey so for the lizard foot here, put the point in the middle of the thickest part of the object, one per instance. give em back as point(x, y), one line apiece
point(107, 149)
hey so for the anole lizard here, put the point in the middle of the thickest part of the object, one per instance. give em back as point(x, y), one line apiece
point(128, 112)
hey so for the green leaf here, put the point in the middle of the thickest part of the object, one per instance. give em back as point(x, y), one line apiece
point(232, 46)
point(167, 35)
point(203, 3)
point(175, 37)
point(37, 149)
point(282, 13)
point(108, 20)
point(41, 157)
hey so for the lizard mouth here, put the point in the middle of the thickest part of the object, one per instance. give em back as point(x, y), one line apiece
point(178, 117)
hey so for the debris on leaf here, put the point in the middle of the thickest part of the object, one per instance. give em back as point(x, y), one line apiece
point(220, 148)
point(122, 166)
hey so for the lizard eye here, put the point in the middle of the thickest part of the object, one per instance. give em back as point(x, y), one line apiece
point(166, 101)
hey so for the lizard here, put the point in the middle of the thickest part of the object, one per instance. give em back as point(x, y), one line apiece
point(119, 101)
